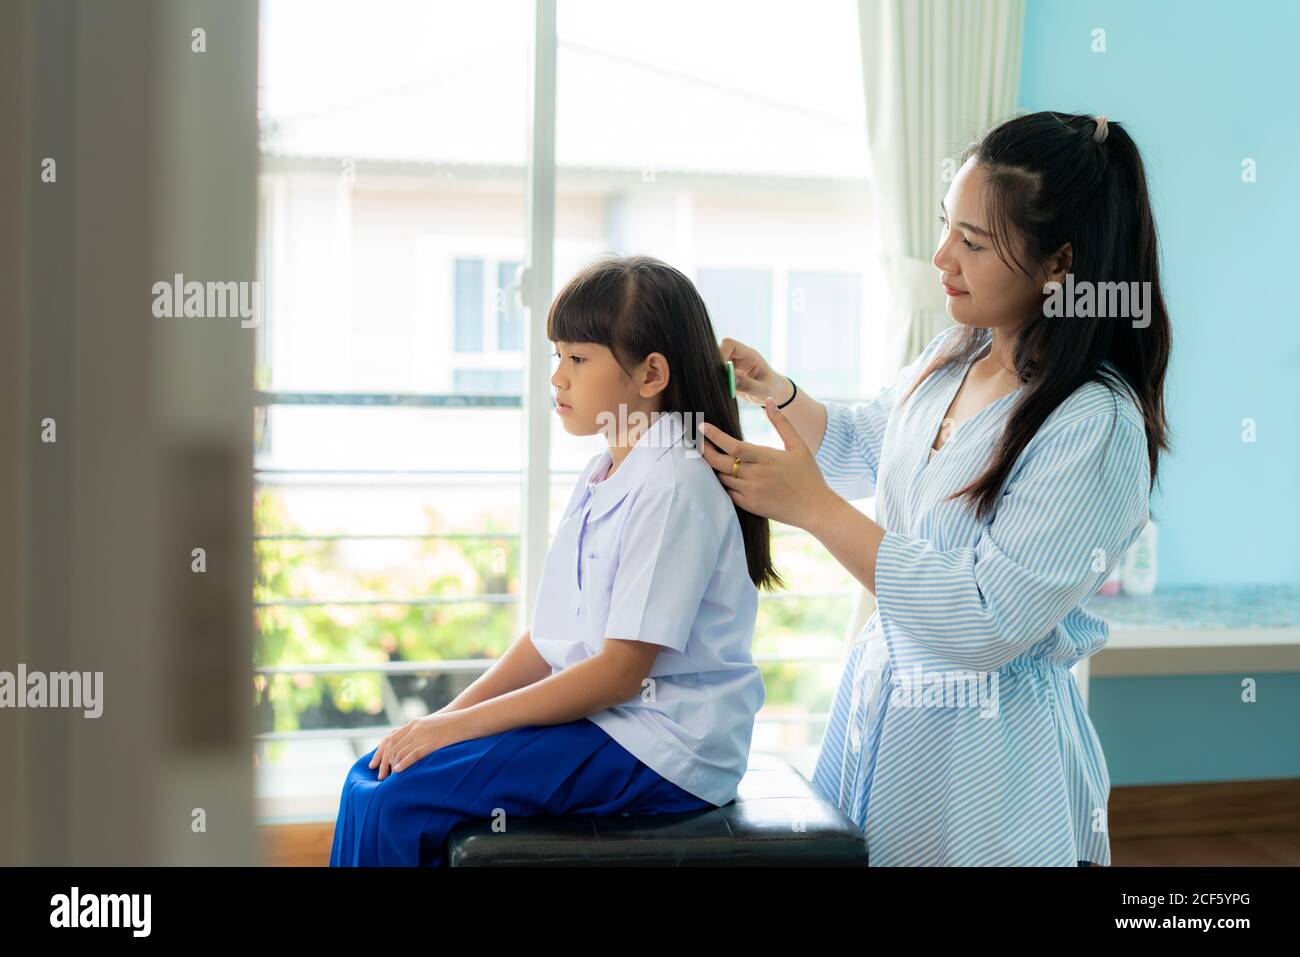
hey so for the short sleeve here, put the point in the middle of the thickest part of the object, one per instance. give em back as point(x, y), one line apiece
point(849, 454)
point(668, 554)
point(1080, 494)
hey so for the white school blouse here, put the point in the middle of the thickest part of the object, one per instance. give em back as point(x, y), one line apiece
point(1024, 782)
point(654, 553)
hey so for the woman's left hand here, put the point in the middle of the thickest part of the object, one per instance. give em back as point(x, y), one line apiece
point(785, 485)
point(411, 742)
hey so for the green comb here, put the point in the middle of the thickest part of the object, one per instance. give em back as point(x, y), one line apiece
point(731, 379)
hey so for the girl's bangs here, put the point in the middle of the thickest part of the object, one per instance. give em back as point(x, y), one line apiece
point(584, 310)
point(573, 320)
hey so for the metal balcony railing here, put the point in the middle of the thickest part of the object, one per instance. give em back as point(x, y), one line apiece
point(470, 666)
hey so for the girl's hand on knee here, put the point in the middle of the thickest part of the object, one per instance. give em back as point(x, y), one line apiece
point(415, 739)
point(383, 756)
point(380, 757)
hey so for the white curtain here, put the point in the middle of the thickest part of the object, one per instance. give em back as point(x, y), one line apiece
point(936, 75)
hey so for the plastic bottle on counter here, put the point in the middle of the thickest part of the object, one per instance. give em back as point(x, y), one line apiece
point(1138, 566)
point(1111, 585)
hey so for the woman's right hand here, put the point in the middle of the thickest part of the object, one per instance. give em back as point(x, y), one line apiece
point(755, 379)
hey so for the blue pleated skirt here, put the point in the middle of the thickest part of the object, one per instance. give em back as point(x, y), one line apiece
point(537, 770)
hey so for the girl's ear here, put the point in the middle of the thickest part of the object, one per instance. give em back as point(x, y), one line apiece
point(653, 374)
point(1058, 264)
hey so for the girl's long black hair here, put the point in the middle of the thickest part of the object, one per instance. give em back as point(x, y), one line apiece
point(636, 305)
point(1050, 182)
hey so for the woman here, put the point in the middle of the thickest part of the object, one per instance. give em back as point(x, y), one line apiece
point(1012, 464)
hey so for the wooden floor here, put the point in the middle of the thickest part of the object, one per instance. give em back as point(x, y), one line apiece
point(1204, 824)
point(308, 845)
point(1253, 849)
point(296, 845)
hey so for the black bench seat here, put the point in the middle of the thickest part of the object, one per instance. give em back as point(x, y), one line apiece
point(777, 820)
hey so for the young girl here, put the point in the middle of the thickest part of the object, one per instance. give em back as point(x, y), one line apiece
point(634, 690)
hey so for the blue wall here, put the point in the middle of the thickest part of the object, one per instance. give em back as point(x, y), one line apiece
point(1201, 86)
point(1196, 728)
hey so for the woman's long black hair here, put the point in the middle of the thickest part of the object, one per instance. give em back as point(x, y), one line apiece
point(1050, 182)
point(636, 305)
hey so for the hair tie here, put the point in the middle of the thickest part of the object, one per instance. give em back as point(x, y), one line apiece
point(1099, 135)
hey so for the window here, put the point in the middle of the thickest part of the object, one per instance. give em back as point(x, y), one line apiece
point(487, 318)
point(468, 296)
point(391, 505)
point(390, 475)
point(488, 326)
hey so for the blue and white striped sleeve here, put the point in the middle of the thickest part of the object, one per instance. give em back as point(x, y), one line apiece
point(849, 454)
point(1082, 487)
